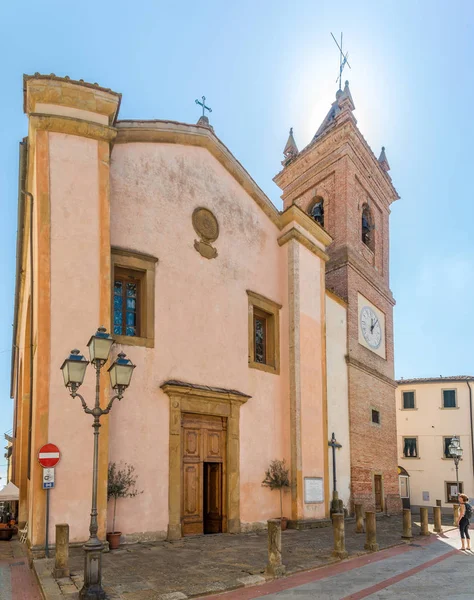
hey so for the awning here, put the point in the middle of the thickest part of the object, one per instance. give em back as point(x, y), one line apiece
point(9, 493)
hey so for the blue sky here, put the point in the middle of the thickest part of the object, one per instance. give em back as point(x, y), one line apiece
point(265, 66)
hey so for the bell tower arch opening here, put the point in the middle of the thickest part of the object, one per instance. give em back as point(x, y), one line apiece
point(316, 210)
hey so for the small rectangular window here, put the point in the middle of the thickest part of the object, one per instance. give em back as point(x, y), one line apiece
point(133, 297)
point(376, 416)
point(264, 333)
point(452, 491)
point(449, 398)
point(408, 400)
point(447, 441)
point(410, 449)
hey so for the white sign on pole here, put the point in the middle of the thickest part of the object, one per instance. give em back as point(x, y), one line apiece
point(313, 490)
point(48, 478)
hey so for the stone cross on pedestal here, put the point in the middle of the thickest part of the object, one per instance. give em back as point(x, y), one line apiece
point(335, 504)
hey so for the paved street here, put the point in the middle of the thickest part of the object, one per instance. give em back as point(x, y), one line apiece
point(430, 569)
point(17, 581)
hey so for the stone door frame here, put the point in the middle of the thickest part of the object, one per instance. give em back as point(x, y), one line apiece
point(197, 399)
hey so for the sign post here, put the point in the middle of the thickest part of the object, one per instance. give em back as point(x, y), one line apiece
point(48, 458)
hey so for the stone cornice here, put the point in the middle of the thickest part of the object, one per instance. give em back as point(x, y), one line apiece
point(50, 89)
point(180, 388)
point(296, 234)
point(73, 126)
point(345, 257)
point(336, 298)
point(359, 365)
point(171, 132)
point(294, 213)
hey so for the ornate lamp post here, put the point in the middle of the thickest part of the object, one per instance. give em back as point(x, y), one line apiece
point(335, 502)
point(74, 370)
point(456, 452)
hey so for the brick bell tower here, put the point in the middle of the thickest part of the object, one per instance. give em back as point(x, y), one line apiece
point(339, 181)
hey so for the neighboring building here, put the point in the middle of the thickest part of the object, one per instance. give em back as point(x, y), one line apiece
point(430, 412)
point(243, 354)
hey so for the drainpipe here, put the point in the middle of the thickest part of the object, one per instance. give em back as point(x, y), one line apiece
point(470, 420)
point(30, 421)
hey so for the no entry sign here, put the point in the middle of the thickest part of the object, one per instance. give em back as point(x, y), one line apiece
point(48, 455)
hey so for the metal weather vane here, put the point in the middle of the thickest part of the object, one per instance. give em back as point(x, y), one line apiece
point(343, 60)
point(203, 104)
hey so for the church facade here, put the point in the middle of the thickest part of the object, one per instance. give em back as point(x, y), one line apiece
point(255, 332)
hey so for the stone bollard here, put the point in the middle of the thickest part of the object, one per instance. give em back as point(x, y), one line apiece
point(339, 536)
point(455, 514)
point(424, 521)
point(275, 567)
point(61, 567)
point(371, 532)
point(437, 519)
point(407, 535)
point(359, 518)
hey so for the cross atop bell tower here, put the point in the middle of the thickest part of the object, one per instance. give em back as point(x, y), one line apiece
point(343, 59)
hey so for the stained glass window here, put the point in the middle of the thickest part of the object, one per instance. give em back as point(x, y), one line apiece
point(260, 339)
point(126, 293)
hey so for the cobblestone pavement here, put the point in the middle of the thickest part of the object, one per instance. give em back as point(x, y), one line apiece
point(195, 566)
point(17, 581)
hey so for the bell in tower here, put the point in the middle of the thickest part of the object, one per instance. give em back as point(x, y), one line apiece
point(317, 212)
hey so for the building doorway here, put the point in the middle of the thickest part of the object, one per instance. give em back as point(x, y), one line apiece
point(204, 474)
point(404, 484)
point(212, 496)
point(378, 488)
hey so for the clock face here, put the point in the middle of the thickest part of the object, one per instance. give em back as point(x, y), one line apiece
point(370, 326)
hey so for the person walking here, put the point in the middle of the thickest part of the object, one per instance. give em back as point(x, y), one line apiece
point(465, 513)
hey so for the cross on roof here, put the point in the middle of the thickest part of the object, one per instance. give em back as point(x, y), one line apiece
point(342, 60)
point(203, 104)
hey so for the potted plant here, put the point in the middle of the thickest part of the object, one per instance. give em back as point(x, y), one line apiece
point(120, 484)
point(276, 478)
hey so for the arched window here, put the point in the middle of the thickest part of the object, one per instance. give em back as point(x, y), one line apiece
point(316, 210)
point(367, 229)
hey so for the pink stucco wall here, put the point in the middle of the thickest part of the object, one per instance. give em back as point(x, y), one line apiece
point(313, 445)
point(201, 319)
point(74, 317)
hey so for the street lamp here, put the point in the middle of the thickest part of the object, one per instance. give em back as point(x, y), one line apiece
point(335, 502)
point(74, 370)
point(455, 452)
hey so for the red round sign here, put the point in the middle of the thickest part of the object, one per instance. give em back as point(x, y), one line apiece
point(48, 456)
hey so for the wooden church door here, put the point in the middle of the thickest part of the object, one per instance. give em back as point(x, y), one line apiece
point(203, 474)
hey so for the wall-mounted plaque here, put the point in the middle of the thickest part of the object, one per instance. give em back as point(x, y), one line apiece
point(426, 496)
point(313, 490)
point(206, 226)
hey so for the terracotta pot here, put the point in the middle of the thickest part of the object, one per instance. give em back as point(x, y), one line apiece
point(6, 533)
point(284, 523)
point(114, 539)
